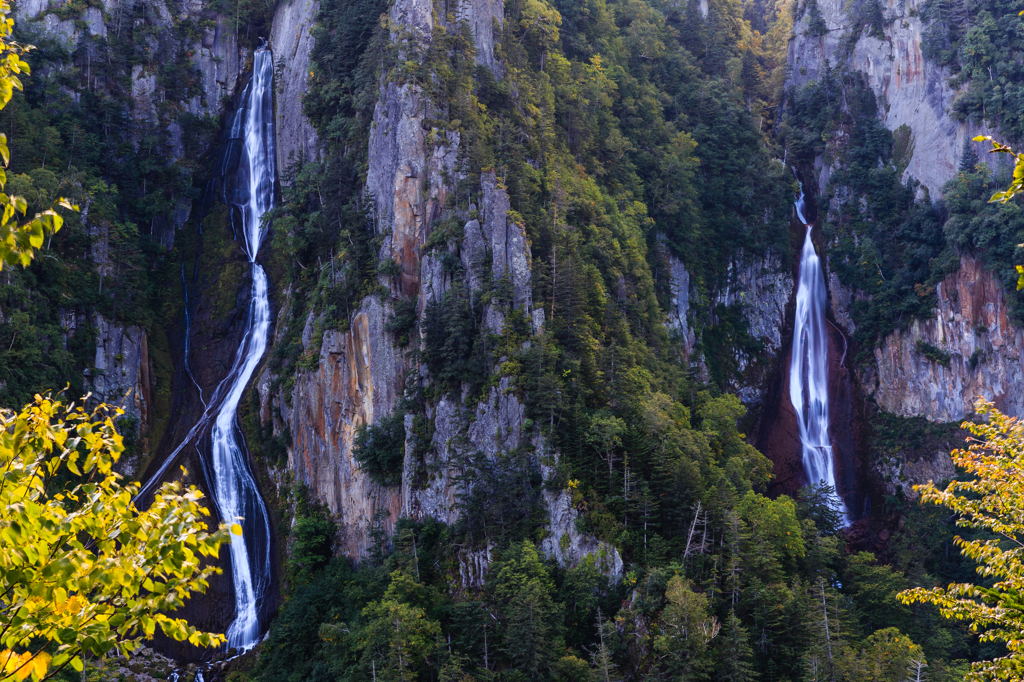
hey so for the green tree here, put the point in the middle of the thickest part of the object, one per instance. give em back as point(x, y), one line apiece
point(886, 656)
point(403, 638)
point(312, 541)
point(775, 533)
point(380, 448)
point(874, 588)
point(398, 635)
point(991, 500)
point(605, 436)
point(818, 503)
point(82, 569)
point(524, 591)
point(734, 652)
point(686, 629)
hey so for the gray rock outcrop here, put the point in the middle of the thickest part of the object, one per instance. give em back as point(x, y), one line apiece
point(911, 90)
point(971, 326)
point(762, 288)
point(291, 41)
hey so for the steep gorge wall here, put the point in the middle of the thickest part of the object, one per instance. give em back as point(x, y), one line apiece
point(291, 42)
point(762, 288)
point(984, 354)
point(122, 372)
point(969, 347)
point(911, 90)
point(361, 374)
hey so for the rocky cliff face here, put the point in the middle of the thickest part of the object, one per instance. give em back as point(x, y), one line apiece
point(761, 288)
point(291, 42)
point(911, 90)
point(215, 53)
point(974, 348)
point(359, 380)
point(969, 348)
point(362, 375)
point(937, 368)
point(122, 374)
point(122, 363)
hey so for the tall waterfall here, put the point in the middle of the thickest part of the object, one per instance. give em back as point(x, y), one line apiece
point(808, 367)
point(248, 167)
point(235, 490)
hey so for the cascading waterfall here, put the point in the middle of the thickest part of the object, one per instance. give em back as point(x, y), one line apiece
point(248, 168)
point(234, 487)
point(808, 368)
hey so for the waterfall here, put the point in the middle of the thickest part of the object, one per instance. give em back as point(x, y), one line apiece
point(234, 488)
point(248, 170)
point(808, 367)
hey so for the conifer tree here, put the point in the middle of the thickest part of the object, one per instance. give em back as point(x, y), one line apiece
point(968, 158)
point(734, 651)
point(606, 670)
point(523, 590)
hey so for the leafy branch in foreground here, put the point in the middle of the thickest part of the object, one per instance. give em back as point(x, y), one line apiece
point(1018, 169)
point(993, 501)
point(18, 241)
point(82, 570)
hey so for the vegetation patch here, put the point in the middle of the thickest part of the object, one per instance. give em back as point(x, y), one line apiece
point(933, 353)
point(380, 448)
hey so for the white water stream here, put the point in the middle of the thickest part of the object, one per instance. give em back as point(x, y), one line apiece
point(808, 368)
point(251, 191)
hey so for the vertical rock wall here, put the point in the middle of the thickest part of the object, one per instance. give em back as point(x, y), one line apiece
point(122, 375)
point(980, 354)
point(362, 375)
point(762, 288)
point(911, 90)
point(291, 41)
point(359, 380)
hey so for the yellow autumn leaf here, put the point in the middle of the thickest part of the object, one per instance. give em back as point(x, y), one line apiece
point(40, 665)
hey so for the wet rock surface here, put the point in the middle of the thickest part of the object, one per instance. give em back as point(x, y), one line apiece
point(145, 665)
point(777, 434)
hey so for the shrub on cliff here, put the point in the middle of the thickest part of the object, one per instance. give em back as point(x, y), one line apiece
point(380, 448)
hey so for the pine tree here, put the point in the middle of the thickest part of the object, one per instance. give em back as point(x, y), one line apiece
point(606, 670)
point(735, 652)
point(523, 591)
point(969, 158)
